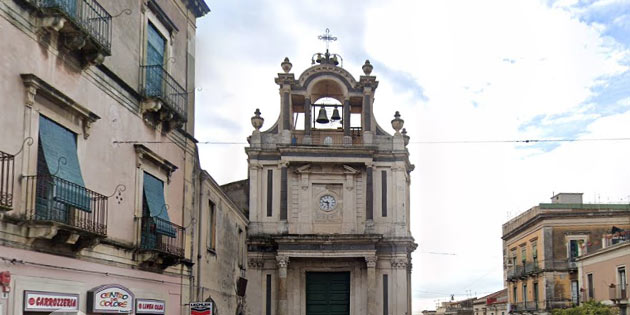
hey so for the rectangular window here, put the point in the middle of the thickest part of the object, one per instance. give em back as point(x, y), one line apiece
point(59, 171)
point(268, 296)
point(574, 249)
point(524, 292)
point(385, 296)
point(156, 46)
point(269, 193)
point(523, 254)
point(621, 275)
point(369, 195)
point(590, 285)
point(384, 193)
point(156, 208)
point(575, 297)
point(514, 296)
point(283, 192)
point(241, 246)
point(535, 293)
point(212, 228)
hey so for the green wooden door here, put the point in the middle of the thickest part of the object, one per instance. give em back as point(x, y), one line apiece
point(327, 293)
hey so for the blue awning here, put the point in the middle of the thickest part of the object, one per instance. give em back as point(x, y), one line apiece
point(60, 145)
point(154, 196)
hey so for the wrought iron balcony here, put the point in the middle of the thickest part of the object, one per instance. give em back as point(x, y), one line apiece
point(87, 16)
point(532, 267)
point(7, 174)
point(514, 272)
point(153, 240)
point(526, 306)
point(52, 199)
point(156, 83)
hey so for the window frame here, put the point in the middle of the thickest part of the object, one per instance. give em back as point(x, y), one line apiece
point(212, 226)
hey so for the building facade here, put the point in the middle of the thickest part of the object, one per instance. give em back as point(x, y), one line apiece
point(603, 274)
point(328, 200)
point(541, 247)
point(97, 155)
point(492, 304)
point(221, 259)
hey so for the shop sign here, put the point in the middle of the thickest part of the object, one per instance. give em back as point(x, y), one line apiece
point(201, 308)
point(38, 301)
point(144, 306)
point(111, 298)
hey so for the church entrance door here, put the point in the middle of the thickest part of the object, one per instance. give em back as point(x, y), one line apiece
point(327, 293)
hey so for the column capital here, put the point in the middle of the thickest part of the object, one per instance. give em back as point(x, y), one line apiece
point(256, 263)
point(399, 263)
point(370, 261)
point(283, 261)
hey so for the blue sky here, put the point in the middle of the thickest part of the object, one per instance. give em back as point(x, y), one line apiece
point(456, 70)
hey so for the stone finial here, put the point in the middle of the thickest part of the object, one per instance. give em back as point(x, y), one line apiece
point(257, 120)
point(367, 67)
point(286, 65)
point(405, 136)
point(397, 123)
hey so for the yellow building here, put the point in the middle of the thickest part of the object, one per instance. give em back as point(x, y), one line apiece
point(540, 248)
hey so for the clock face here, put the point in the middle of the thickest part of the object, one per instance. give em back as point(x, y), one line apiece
point(327, 203)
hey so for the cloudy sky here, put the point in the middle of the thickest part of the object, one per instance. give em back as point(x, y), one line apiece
point(457, 71)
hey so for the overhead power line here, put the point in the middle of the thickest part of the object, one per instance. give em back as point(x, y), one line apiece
point(521, 141)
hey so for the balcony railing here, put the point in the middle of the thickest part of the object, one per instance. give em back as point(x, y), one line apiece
point(526, 306)
point(157, 83)
point(152, 240)
point(532, 267)
point(515, 272)
point(618, 291)
point(87, 15)
point(52, 199)
point(7, 174)
point(331, 137)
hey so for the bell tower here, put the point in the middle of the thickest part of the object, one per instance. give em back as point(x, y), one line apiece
point(328, 199)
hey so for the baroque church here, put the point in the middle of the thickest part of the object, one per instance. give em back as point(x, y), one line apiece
point(329, 229)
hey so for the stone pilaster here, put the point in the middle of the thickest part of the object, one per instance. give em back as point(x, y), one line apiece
point(283, 305)
point(370, 261)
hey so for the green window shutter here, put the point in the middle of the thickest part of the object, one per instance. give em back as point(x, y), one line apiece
point(59, 145)
point(154, 196)
point(155, 57)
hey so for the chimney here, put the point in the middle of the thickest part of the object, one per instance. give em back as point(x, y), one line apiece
point(571, 198)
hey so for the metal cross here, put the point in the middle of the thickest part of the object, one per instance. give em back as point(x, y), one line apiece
point(327, 38)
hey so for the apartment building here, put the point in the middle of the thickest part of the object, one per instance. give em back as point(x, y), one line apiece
point(97, 155)
point(603, 273)
point(542, 245)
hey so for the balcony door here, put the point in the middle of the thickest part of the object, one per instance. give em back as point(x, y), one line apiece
point(156, 46)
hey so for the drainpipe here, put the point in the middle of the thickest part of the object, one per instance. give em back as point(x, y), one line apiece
point(200, 205)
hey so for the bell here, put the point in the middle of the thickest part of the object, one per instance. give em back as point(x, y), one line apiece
point(322, 118)
point(335, 116)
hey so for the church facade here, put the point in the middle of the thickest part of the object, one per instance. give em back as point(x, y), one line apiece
point(329, 229)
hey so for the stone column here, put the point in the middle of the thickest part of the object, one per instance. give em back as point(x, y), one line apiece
point(282, 305)
point(370, 261)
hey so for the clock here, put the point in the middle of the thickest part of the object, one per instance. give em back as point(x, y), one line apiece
point(327, 203)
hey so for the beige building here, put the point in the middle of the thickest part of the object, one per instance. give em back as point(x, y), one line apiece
point(603, 274)
point(541, 247)
point(328, 200)
point(97, 154)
